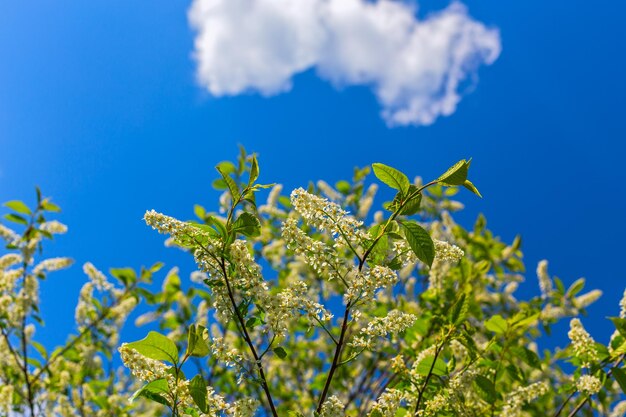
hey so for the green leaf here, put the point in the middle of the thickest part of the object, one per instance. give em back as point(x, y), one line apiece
point(468, 184)
point(50, 206)
point(280, 352)
point(458, 312)
point(226, 167)
point(254, 170)
point(486, 388)
point(343, 187)
point(620, 377)
point(247, 224)
point(527, 355)
point(576, 287)
point(196, 345)
point(18, 206)
point(496, 324)
point(155, 391)
point(125, 275)
point(199, 211)
point(253, 322)
point(15, 218)
point(197, 390)
point(456, 174)
point(620, 325)
point(206, 228)
point(230, 183)
point(392, 177)
point(423, 368)
point(156, 346)
point(420, 242)
point(412, 206)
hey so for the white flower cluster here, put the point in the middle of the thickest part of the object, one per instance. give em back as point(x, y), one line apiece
point(54, 227)
point(6, 399)
point(387, 404)
point(85, 310)
point(619, 410)
point(395, 322)
point(622, 305)
point(327, 216)
point(179, 231)
point(332, 407)
point(435, 405)
point(291, 303)
point(364, 284)
point(248, 278)
point(545, 282)
point(588, 385)
point(271, 206)
point(582, 343)
point(245, 407)
point(8, 235)
point(444, 251)
point(145, 369)
point(520, 396)
point(322, 259)
point(10, 259)
point(587, 299)
point(367, 200)
point(52, 264)
point(329, 191)
point(221, 351)
point(98, 279)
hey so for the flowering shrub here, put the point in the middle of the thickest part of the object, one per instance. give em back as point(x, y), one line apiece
point(309, 305)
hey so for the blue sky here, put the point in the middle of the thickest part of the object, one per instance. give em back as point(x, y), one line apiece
point(101, 107)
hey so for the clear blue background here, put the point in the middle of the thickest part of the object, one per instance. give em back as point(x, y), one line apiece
point(99, 107)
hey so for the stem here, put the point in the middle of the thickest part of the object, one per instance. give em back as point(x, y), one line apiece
point(335, 364)
point(29, 387)
point(344, 325)
point(430, 374)
point(579, 406)
point(246, 336)
point(558, 412)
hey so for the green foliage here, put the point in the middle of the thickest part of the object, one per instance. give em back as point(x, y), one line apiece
point(309, 305)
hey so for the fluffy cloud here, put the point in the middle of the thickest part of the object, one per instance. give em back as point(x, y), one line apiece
point(414, 67)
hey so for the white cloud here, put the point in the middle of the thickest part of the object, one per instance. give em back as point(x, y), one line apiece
point(414, 67)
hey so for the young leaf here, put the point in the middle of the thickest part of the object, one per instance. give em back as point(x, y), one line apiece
point(620, 377)
point(155, 391)
point(254, 170)
point(280, 352)
point(247, 224)
point(496, 324)
point(18, 206)
point(199, 211)
point(253, 322)
point(392, 177)
point(486, 388)
point(196, 345)
point(458, 312)
point(15, 218)
point(620, 325)
point(156, 346)
point(423, 368)
point(468, 184)
point(50, 206)
point(420, 242)
point(230, 183)
point(456, 174)
point(198, 391)
point(412, 206)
